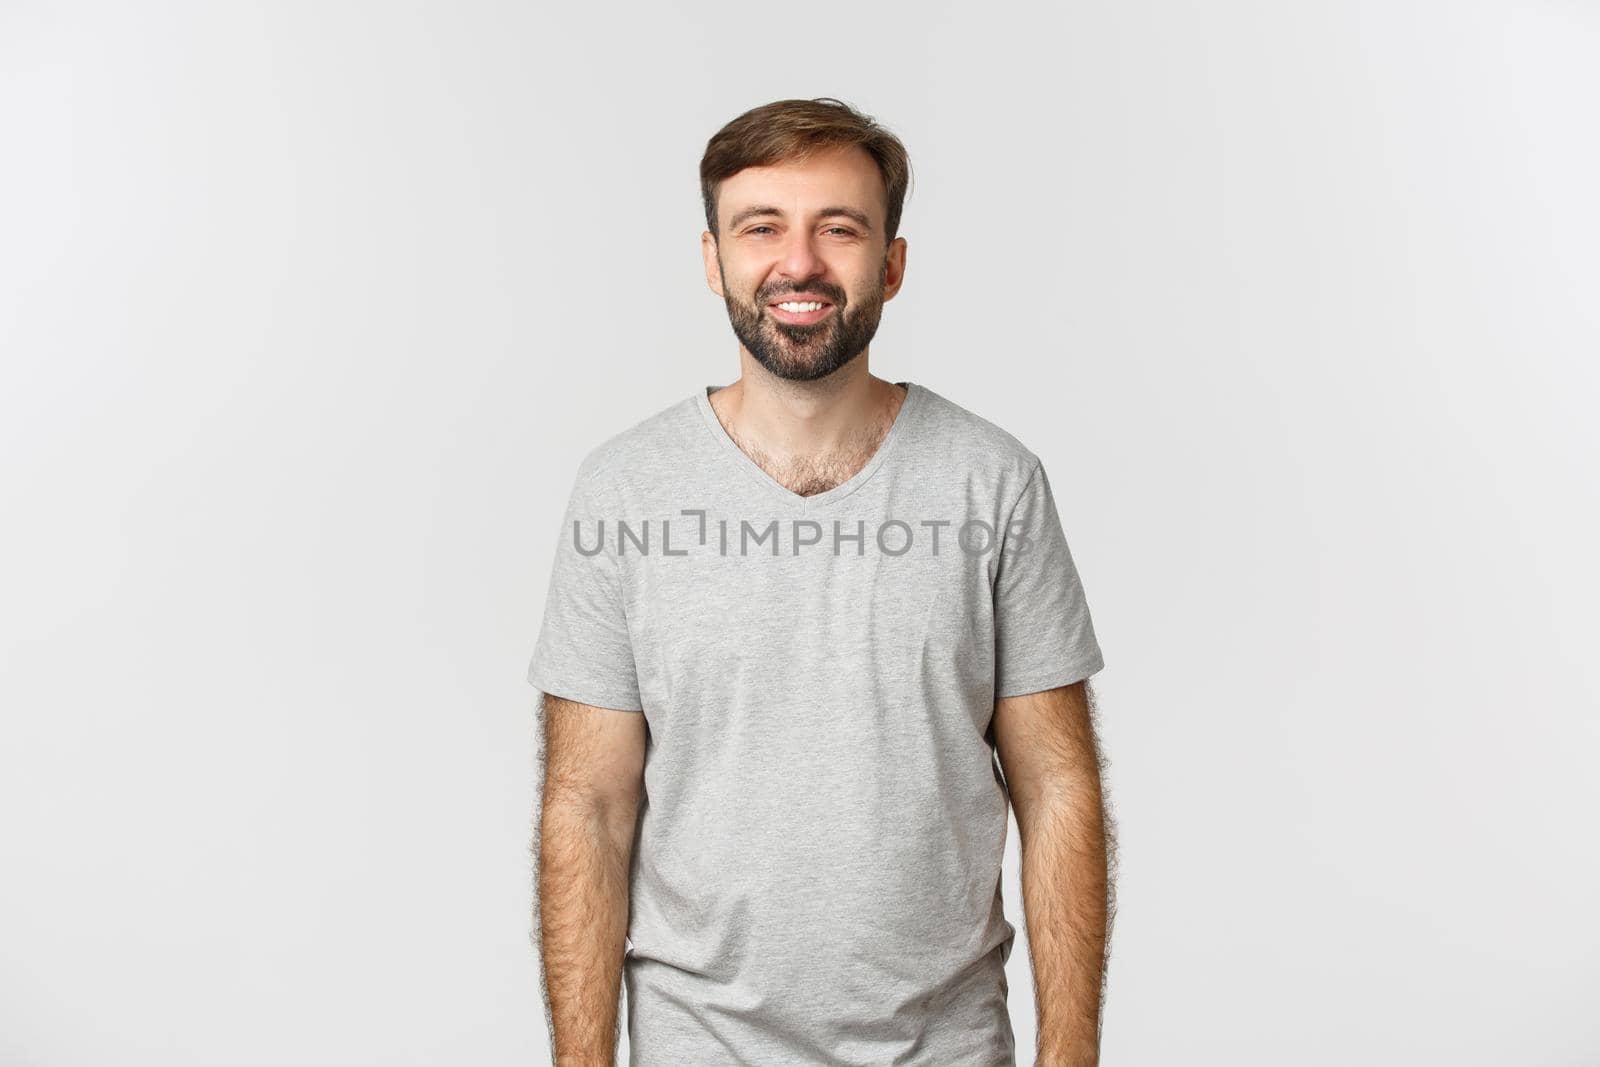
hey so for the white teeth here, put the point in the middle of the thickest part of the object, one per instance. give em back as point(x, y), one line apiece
point(813, 306)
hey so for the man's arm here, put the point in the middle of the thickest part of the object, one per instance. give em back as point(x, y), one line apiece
point(1051, 759)
point(593, 777)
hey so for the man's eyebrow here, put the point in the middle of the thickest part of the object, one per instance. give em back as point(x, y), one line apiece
point(859, 218)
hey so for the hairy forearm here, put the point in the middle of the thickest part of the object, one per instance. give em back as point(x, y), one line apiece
point(1065, 886)
point(584, 856)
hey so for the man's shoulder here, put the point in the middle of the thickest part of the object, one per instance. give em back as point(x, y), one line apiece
point(630, 452)
point(972, 440)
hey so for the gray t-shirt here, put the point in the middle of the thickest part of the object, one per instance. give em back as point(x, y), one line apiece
point(816, 871)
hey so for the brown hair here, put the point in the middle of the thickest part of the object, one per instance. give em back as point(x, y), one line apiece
point(786, 131)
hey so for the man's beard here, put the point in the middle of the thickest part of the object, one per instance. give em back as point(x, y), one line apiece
point(806, 353)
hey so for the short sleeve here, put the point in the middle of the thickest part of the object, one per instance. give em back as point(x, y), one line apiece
point(1043, 634)
point(584, 652)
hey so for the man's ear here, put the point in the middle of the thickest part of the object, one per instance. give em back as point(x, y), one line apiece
point(708, 252)
point(894, 268)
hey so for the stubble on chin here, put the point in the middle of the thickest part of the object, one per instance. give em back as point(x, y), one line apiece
point(808, 353)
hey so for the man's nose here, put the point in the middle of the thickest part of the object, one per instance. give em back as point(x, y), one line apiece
point(800, 259)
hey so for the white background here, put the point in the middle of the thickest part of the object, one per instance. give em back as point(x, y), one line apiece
point(308, 312)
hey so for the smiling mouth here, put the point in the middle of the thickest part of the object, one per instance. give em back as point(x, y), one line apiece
point(803, 313)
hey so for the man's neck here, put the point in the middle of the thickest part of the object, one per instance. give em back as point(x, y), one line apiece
point(809, 436)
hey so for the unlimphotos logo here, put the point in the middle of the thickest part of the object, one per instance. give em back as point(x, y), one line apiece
point(892, 537)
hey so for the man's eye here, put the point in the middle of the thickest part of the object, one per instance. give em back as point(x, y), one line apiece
point(831, 229)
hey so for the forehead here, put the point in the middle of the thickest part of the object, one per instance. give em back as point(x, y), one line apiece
point(844, 177)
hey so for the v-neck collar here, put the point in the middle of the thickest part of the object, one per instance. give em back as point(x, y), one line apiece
point(773, 487)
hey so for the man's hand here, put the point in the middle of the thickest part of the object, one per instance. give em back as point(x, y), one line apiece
point(1051, 759)
point(593, 777)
